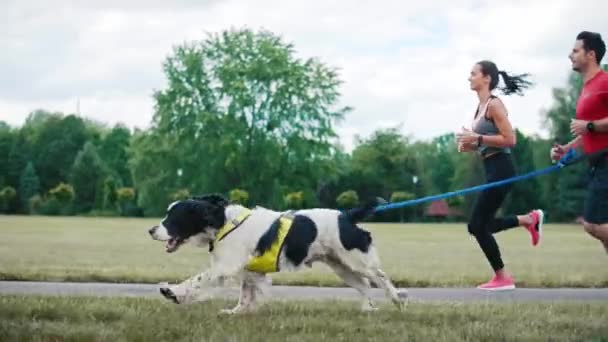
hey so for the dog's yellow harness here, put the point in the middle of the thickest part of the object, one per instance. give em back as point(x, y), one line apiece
point(268, 262)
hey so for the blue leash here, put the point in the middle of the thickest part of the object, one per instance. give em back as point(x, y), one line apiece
point(568, 159)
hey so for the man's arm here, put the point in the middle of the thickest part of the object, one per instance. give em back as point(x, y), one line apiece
point(601, 125)
point(580, 127)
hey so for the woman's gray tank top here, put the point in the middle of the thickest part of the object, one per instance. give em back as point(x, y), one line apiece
point(485, 126)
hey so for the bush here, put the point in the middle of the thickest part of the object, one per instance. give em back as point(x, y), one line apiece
point(126, 202)
point(403, 213)
point(34, 205)
point(294, 200)
point(239, 196)
point(180, 195)
point(347, 200)
point(7, 196)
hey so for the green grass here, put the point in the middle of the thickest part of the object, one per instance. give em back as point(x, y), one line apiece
point(27, 318)
point(120, 250)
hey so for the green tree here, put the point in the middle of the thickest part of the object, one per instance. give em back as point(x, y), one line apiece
point(53, 140)
point(87, 175)
point(6, 142)
point(109, 193)
point(382, 163)
point(154, 165)
point(113, 150)
point(17, 160)
point(250, 101)
point(29, 184)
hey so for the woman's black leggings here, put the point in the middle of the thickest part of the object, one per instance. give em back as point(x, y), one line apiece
point(483, 223)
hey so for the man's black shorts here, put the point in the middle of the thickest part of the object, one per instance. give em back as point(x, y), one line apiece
point(596, 203)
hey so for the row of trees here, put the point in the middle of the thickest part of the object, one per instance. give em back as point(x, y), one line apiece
point(242, 115)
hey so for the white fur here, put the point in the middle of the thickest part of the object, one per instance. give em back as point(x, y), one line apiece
point(230, 257)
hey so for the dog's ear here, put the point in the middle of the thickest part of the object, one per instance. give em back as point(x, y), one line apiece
point(213, 215)
point(215, 199)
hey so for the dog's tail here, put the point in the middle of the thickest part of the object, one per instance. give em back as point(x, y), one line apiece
point(361, 213)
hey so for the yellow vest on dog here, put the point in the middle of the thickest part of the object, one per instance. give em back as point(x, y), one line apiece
point(268, 262)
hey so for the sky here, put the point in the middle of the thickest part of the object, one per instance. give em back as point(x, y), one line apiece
point(403, 63)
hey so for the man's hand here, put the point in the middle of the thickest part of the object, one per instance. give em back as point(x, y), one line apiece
point(579, 127)
point(558, 151)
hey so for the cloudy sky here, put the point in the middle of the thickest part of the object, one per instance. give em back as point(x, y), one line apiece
point(403, 62)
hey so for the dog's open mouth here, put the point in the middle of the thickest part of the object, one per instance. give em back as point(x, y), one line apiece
point(173, 244)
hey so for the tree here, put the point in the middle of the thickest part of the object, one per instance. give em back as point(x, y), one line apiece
point(55, 143)
point(17, 160)
point(87, 175)
point(240, 99)
point(382, 163)
point(109, 193)
point(6, 142)
point(154, 165)
point(113, 150)
point(29, 184)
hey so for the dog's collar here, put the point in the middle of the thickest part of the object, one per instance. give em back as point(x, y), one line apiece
point(229, 227)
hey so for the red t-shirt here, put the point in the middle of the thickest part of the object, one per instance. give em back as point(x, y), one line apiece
point(593, 105)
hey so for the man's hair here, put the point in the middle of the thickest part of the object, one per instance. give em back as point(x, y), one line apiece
point(592, 41)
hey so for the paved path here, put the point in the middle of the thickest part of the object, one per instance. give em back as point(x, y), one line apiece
point(298, 292)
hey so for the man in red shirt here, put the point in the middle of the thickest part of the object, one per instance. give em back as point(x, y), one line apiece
point(591, 130)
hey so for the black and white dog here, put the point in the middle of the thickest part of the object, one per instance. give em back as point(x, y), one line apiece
point(236, 234)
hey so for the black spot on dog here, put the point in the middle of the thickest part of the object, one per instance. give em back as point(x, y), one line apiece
point(297, 241)
point(299, 238)
point(352, 236)
point(269, 237)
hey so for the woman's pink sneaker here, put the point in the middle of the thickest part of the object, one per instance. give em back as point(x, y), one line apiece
point(498, 283)
point(536, 228)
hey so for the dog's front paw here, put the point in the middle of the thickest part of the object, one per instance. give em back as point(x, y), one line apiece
point(167, 293)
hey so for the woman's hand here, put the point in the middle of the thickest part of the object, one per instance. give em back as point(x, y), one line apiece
point(467, 137)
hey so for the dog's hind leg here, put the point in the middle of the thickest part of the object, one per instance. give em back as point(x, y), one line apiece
point(356, 281)
point(367, 265)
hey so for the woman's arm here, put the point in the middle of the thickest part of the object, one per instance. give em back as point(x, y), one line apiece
point(506, 137)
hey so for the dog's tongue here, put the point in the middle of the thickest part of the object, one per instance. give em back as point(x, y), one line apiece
point(171, 245)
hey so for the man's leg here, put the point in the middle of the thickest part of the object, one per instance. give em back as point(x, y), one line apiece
point(598, 231)
point(595, 216)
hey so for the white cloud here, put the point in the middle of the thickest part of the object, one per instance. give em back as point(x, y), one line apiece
point(402, 61)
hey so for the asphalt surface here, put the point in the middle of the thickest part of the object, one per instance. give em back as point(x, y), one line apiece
point(310, 293)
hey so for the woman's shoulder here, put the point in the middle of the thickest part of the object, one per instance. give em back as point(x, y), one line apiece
point(495, 107)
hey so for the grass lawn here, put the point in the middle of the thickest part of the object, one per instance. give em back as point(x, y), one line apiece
point(128, 319)
point(120, 250)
